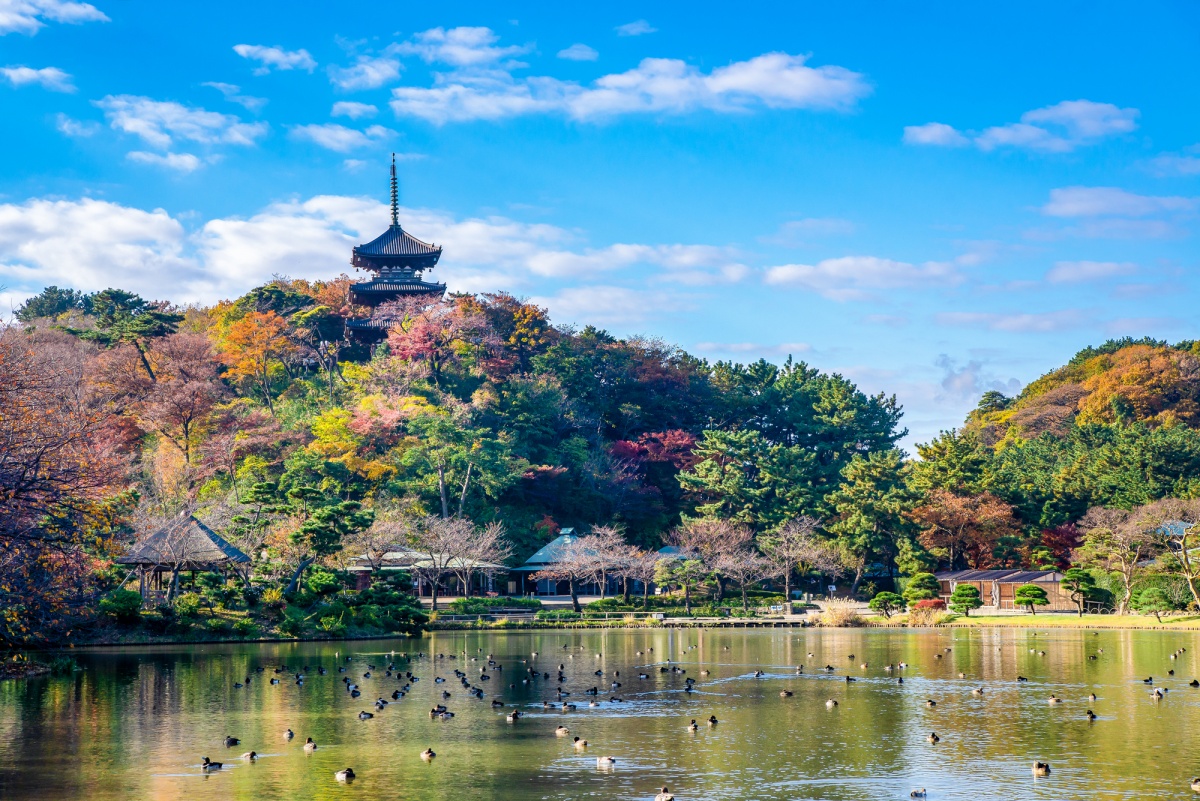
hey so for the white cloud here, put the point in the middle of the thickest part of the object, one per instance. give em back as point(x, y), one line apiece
point(275, 57)
point(636, 28)
point(578, 52)
point(1060, 128)
point(159, 123)
point(181, 162)
point(752, 348)
point(861, 277)
point(76, 128)
point(1077, 272)
point(339, 138)
point(1187, 163)
point(459, 47)
point(938, 134)
point(233, 94)
point(51, 78)
point(772, 80)
point(1109, 201)
point(355, 111)
point(92, 245)
point(796, 232)
point(26, 16)
point(610, 305)
point(1021, 323)
point(367, 72)
point(970, 380)
point(354, 165)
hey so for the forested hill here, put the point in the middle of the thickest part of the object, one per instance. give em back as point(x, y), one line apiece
point(1121, 381)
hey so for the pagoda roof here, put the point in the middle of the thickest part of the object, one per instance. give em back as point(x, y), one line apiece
point(396, 246)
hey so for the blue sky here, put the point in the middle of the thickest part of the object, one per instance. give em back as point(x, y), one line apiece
point(931, 199)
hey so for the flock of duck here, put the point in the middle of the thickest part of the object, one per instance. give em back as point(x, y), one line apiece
point(530, 675)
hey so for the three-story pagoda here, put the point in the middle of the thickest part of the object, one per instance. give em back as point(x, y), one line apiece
point(398, 259)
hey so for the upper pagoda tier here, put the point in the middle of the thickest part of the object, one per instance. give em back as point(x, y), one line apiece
point(397, 258)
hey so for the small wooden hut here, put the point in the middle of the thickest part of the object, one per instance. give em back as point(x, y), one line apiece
point(183, 545)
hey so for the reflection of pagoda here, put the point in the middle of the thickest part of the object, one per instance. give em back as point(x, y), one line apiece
point(397, 258)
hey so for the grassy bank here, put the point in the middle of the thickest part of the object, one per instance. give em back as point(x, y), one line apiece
point(1045, 621)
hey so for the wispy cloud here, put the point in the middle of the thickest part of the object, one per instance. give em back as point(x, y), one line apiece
point(355, 111)
point(276, 58)
point(180, 162)
point(578, 52)
point(636, 28)
point(656, 85)
point(1110, 201)
point(29, 16)
point(339, 138)
point(51, 78)
point(1171, 164)
point(797, 232)
point(234, 94)
point(1060, 128)
point(159, 123)
point(1018, 323)
point(460, 47)
point(861, 277)
point(75, 128)
point(367, 72)
point(1079, 272)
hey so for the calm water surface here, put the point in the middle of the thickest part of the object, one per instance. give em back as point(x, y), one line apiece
point(135, 723)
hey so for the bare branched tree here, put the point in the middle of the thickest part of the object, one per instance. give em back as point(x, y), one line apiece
point(484, 547)
point(744, 569)
point(442, 542)
point(796, 546)
point(708, 539)
point(1115, 540)
point(639, 565)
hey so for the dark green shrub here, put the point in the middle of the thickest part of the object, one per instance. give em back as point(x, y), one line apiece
point(887, 603)
point(483, 606)
point(965, 598)
point(557, 614)
point(922, 587)
point(321, 582)
point(219, 625)
point(187, 605)
point(251, 594)
point(291, 626)
point(245, 627)
point(123, 606)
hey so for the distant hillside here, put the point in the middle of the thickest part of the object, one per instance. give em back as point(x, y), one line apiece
point(1123, 380)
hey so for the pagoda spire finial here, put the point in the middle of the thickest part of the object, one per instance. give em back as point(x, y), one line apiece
point(395, 194)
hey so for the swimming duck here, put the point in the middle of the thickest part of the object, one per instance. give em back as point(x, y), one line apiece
point(692, 726)
point(289, 734)
point(513, 716)
point(917, 793)
point(309, 745)
point(428, 754)
point(1090, 715)
point(1092, 697)
point(977, 691)
point(250, 755)
point(561, 731)
point(785, 694)
point(712, 720)
point(1196, 785)
point(1041, 769)
point(930, 703)
point(605, 762)
point(208, 765)
point(580, 744)
point(365, 715)
point(830, 704)
point(230, 742)
point(664, 795)
point(933, 738)
point(1053, 699)
point(346, 775)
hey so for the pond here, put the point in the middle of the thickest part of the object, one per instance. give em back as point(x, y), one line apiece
point(136, 722)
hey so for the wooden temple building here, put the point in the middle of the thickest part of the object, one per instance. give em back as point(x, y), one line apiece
point(398, 260)
point(183, 545)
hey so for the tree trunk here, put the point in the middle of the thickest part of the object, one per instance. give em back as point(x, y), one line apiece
point(603, 585)
point(645, 595)
point(745, 603)
point(625, 589)
point(787, 586)
point(442, 490)
point(145, 362)
point(858, 576)
point(304, 563)
point(462, 498)
point(575, 597)
point(433, 594)
point(687, 597)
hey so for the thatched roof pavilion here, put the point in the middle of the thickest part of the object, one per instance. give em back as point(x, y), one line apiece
point(184, 544)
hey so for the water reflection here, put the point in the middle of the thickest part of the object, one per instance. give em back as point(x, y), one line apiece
point(136, 723)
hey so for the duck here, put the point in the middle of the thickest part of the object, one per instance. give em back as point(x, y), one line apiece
point(693, 727)
point(1194, 683)
point(929, 702)
point(346, 775)
point(309, 745)
point(561, 731)
point(250, 755)
point(289, 734)
point(428, 754)
point(712, 720)
point(830, 704)
point(933, 738)
point(208, 764)
point(1196, 785)
point(605, 761)
point(977, 691)
point(1053, 699)
point(664, 795)
point(785, 693)
point(1092, 697)
point(579, 744)
point(230, 742)
point(1041, 768)
point(513, 716)
point(1090, 715)
point(364, 715)
point(917, 793)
